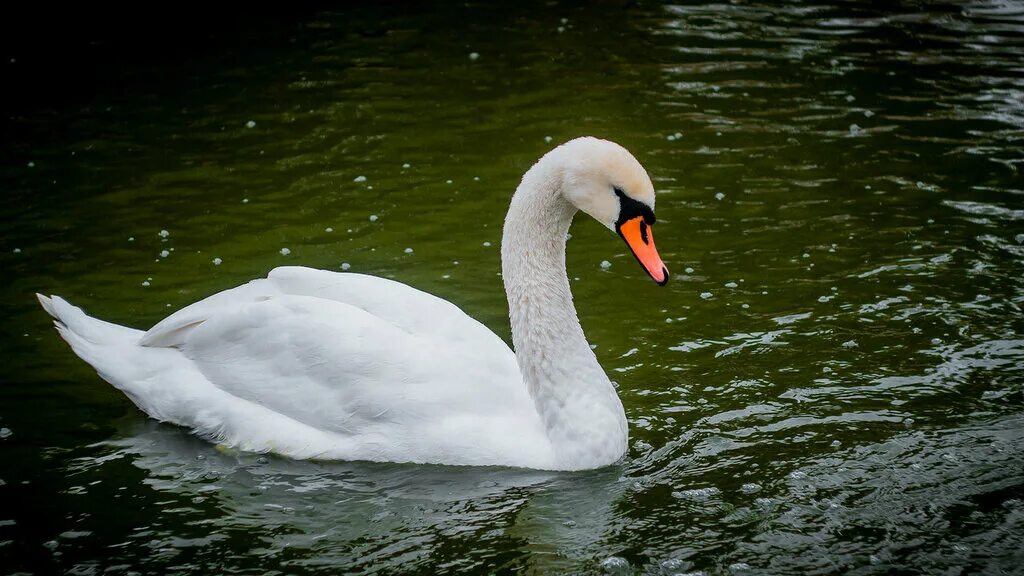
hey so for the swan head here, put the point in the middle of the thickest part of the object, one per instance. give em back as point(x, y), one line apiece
point(605, 181)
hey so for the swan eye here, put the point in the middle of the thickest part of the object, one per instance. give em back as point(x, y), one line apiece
point(630, 208)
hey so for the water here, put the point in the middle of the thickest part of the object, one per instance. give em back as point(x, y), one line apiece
point(830, 384)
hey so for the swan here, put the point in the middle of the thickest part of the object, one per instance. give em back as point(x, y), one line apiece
point(311, 364)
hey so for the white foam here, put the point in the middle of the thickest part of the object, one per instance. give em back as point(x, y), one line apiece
point(487, 244)
point(373, 218)
point(408, 250)
point(605, 264)
point(359, 179)
point(217, 261)
point(473, 56)
point(250, 124)
point(164, 233)
point(164, 253)
point(345, 265)
point(285, 251)
point(707, 295)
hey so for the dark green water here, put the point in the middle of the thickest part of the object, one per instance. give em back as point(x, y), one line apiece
point(832, 383)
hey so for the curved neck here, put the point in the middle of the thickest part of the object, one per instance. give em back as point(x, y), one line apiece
point(577, 403)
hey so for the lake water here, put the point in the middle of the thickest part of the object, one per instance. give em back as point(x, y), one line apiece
point(832, 382)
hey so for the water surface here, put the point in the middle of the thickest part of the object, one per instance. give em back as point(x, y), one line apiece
point(832, 383)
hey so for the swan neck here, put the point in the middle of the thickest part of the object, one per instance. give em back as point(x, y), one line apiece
point(578, 405)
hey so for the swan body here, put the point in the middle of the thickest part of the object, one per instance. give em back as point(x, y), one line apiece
point(341, 366)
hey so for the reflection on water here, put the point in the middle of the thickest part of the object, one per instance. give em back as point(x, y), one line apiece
point(832, 383)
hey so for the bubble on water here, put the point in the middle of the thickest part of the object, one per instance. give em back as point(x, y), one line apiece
point(487, 244)
point(744, 305)
point(245, 200)
point(163, 233)
point(707, 295)
point(836, 444)
point(824, 299)
point(719, 196)
point(408, 250)
point(850, 344)
point(605, 264)
point(359, 179)
point(473, 56)
point(731, 285)
point(548, 139)
point(345, 265)
point(615, 565)
point(406, 165)
point(6, 433)
point(446, 276)
point(250, 124)
point(868, 113)
point(17, 250)
point(688, 270)
point(164, 253)
point(328, 229)
point(447, 181)
point(373, 217)
point(217, 261)
point(285, 251)
point(750, 488)
point(936, 340)
point(145, 282)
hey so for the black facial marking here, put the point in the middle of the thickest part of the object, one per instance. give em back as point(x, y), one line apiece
point(643, 233)
point(630, 208)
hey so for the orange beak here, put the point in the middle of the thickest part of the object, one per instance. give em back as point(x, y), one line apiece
point(637, 235)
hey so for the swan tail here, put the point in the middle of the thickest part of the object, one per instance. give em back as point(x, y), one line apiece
point(167, 386)
point(104, 346)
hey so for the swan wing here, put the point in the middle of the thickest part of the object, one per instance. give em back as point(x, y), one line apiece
point(349, 354)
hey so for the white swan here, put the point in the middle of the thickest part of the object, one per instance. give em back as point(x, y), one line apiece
point(339, 366)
